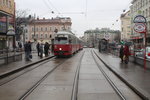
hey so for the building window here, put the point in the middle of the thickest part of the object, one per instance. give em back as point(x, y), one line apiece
point(37, 29)
point(3, 2)
point(146, 13)
point(46, 29)
point(50, 29)
point(32, 29)
point(41, 36)
point(149, 11)
point(45, 35)
point(36, 35)
point(32, 36)
point(9, 4)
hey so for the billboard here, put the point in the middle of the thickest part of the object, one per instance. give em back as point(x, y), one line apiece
point(7, 6)
point(3, 23)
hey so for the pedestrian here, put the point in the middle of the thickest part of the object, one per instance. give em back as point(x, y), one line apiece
point(27, 49)
point(41, 50)
point(126, 53)
point(20, 46)
point(46, 48)
point(38, 48)
point(121, 53)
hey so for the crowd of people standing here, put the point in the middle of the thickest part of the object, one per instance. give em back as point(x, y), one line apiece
point(41, 49)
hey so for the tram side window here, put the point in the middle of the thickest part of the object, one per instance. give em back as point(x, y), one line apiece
point(69, 39)
point(61, 40)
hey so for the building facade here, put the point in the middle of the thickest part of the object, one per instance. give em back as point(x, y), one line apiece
point(7, 12)
point(125, 26)
point(140, 7)
point(92, 37)
point(43, 30)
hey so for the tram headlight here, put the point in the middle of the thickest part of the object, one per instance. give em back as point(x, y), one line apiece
point(60, 49)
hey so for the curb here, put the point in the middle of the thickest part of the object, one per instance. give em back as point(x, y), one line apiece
point(3, 75)
point(134, 87)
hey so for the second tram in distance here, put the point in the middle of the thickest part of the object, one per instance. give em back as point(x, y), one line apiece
point(66, 44)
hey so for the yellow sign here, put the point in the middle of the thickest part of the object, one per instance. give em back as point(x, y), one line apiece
point(7, 6)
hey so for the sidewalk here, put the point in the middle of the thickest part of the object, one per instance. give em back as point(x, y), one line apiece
point(132, 73)
point(7, 68)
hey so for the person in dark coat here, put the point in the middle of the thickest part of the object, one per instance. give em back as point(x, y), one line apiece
point(46, 48)
point(38, 48)
point(41, 50)
point(27, 49)
point(126, 53)
point(121, 53)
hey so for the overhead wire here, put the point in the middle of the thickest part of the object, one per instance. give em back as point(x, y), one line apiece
point(53, 6)
point(47, 5)
point(86, 8)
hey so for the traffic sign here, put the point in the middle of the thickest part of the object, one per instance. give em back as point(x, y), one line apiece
point(140, 27)
point(139, 19)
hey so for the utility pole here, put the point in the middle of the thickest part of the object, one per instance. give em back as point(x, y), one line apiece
point(34, 28)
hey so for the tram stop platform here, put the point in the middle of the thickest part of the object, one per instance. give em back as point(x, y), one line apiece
point(9, 68)
point(132, 74)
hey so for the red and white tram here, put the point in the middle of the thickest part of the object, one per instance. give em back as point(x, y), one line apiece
point(66, 44)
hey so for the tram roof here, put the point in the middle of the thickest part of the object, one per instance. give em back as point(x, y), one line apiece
point(65, 32)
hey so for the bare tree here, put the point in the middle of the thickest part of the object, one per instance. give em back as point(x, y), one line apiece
point(21, 19)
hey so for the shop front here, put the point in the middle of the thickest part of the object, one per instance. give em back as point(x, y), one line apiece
point(6, 21)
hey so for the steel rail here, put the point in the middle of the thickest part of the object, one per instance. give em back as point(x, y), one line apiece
point(109, 80)
point(23, 67)
point(76, 80)
point(39, 82)
point(140, 94)
point(41, 63)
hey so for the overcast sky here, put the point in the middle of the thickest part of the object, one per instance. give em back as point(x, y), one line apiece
point(85, 14)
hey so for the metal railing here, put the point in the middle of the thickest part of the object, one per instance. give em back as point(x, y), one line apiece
point(8, 56)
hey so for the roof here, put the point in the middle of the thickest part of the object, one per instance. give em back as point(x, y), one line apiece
point(133, 1)
point(65, 32)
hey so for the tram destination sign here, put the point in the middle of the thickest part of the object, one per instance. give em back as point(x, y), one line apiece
point(139, 19)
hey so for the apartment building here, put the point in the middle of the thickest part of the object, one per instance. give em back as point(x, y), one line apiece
point(43, 30)
point(140, 7)
point(92, 37)
point(125, 26)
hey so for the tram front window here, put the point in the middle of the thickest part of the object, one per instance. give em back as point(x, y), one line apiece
point(61, 40)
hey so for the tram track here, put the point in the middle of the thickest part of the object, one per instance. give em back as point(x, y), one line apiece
point(76, 80)
point(74, 87)
point(25, 70)
point(122, 97)
point(38, 83)
point(142, 96)
point(7, 74)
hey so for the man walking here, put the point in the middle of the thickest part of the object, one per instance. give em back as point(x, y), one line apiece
point(27, 49)
point(38, 48)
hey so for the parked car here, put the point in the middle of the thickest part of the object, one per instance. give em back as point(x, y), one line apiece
point(148, 52)
point(140, 53)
